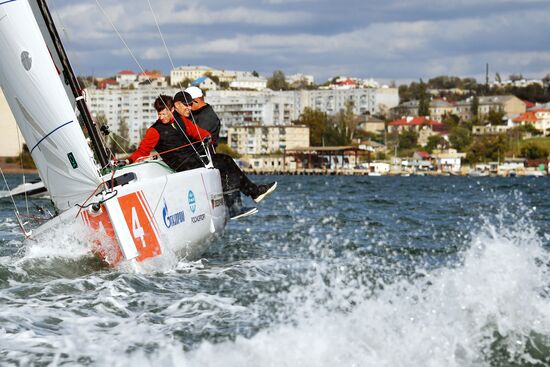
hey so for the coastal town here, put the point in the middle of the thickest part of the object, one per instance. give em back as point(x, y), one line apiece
point(288, 124)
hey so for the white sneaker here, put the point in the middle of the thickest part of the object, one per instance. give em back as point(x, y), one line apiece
point(264, 190)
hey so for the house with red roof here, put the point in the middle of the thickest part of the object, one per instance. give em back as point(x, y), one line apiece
point(105, 83)
point(539, 118)
point(424, 126)
point(125, 77)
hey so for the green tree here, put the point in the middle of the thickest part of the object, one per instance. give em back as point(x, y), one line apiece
point(533, 151)
point(317, 122)
point(424, 100)
point(408, 139)
point(226, 149)
point(495, 117)
point(347, 122)
point(436, 142)
point(460, 138)
point(488, 148)
point(255, 73)
point(277, 81)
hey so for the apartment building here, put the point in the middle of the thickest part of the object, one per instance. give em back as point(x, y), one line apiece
point(182, 73)
point(365, 100)
point(264, 139)
point(509, 104)
point(135, 106)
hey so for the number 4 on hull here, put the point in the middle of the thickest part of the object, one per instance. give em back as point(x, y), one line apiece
point(130, 224)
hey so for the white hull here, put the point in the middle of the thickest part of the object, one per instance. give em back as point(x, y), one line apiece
point(156, 212)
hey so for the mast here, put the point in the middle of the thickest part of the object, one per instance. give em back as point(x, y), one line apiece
point(71, 80)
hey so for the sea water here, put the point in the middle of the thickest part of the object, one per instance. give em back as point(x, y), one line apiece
point(332, 271)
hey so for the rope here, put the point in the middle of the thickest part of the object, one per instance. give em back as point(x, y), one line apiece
point(9, 190)
point(173, 66)
point(118, 145)
point(166, 151)
point(138, 63)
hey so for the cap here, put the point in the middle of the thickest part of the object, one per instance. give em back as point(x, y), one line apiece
point(195, 92)
point(183, 97)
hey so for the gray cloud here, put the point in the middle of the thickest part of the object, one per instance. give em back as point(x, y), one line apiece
point(390, 39)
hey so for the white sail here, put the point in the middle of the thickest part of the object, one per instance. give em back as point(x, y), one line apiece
point(42, 109)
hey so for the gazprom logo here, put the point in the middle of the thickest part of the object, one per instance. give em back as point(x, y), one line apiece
point(171, 220)
point(192, 202)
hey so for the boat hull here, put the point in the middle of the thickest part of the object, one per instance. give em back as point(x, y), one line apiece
point(153, 211)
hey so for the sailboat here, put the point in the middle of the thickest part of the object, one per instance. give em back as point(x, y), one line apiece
point(143, 209)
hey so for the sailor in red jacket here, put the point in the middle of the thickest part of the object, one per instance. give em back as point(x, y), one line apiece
point(176, 140)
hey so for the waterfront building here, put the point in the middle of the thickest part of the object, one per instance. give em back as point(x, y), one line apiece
point(11, 140)
point(448, 160)
point(262, 139)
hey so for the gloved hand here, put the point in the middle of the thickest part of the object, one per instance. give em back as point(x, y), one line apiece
point(207, 140)
point(122, 162)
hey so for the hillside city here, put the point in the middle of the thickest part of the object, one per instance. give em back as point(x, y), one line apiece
point(288, 123)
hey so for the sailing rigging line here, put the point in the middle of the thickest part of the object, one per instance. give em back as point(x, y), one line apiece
point(17, 214)
point(173, 66)
point(118, 145)
point(140, 67)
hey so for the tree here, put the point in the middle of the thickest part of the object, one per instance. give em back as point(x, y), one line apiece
point(495, 117)
point(347, 122)
point(226, 149)
point(317, 122)
point(424, 100)
point(255, 73)
point(460, 138)
point(474, 108)
point(120, 141)
point(534, 151)
point(277, 81)
point(436, 142)
point(488, 148)
point(408, 139)
point(498, 78)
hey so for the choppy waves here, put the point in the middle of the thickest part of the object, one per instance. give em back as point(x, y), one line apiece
point(389, 277)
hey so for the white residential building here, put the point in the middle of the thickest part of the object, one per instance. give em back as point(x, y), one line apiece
point(365, 100)
point(125, 77)
point(245, 80)
point(300, 78)
point(135, 106)
point(262, 139)
point(182, 73)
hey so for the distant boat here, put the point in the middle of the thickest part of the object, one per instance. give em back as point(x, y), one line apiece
point(478, 173)
point(33, 188)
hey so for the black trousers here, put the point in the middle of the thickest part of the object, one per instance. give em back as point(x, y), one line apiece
point(232, 177)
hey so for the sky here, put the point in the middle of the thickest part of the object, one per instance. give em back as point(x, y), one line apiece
point(387, 40)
